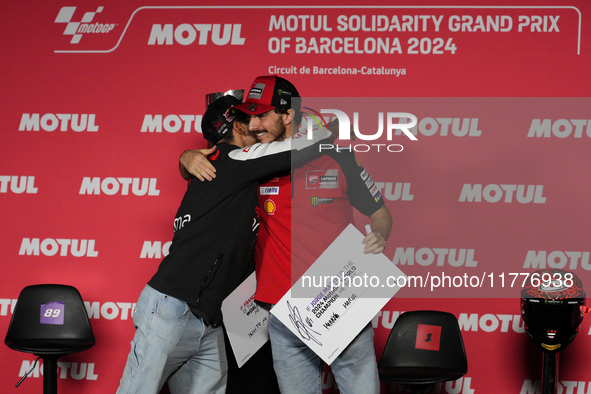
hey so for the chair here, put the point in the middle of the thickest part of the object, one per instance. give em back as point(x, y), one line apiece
point(49, 321)
point(423, 348)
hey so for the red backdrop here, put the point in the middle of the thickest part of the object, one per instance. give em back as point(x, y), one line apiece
point(100, 99)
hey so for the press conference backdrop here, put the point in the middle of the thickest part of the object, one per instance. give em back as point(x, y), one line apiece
point(100, 98)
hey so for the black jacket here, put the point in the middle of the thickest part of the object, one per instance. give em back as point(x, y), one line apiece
point(216, 228)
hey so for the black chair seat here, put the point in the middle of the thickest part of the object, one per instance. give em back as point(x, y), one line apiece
point(49, 321)
point(423, 348)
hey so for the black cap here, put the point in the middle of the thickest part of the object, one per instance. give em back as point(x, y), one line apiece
point(219, 118)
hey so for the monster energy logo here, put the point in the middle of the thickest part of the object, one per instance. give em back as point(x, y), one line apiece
point(316, 201)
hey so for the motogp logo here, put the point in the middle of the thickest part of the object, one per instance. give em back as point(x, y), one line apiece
point(77, 29)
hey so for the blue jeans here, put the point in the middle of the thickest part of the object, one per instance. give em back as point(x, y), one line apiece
point(299, 369)
point(171, 343)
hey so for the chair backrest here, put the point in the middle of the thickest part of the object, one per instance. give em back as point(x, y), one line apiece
point(49, 319)
point(424, 347)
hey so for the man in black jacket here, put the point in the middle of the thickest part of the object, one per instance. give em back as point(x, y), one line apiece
point(178, 314)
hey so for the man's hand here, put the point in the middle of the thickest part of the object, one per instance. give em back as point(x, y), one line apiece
point(194, 162)
point(374, 243)
point(381, 225)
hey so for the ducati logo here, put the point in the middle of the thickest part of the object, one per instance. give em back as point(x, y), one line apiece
point(313, 179)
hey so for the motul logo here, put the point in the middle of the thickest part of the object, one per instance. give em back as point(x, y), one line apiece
point(155, 250)
point(51, 247)
point(66, 370)
point(187, 34)
point(171, 123)
point(111, 186)
point(26, 184)
point(65, 122)
point(561, 128)
point(493, 193)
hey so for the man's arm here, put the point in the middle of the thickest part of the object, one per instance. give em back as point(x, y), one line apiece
point(381, 225)
point(194, 162)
